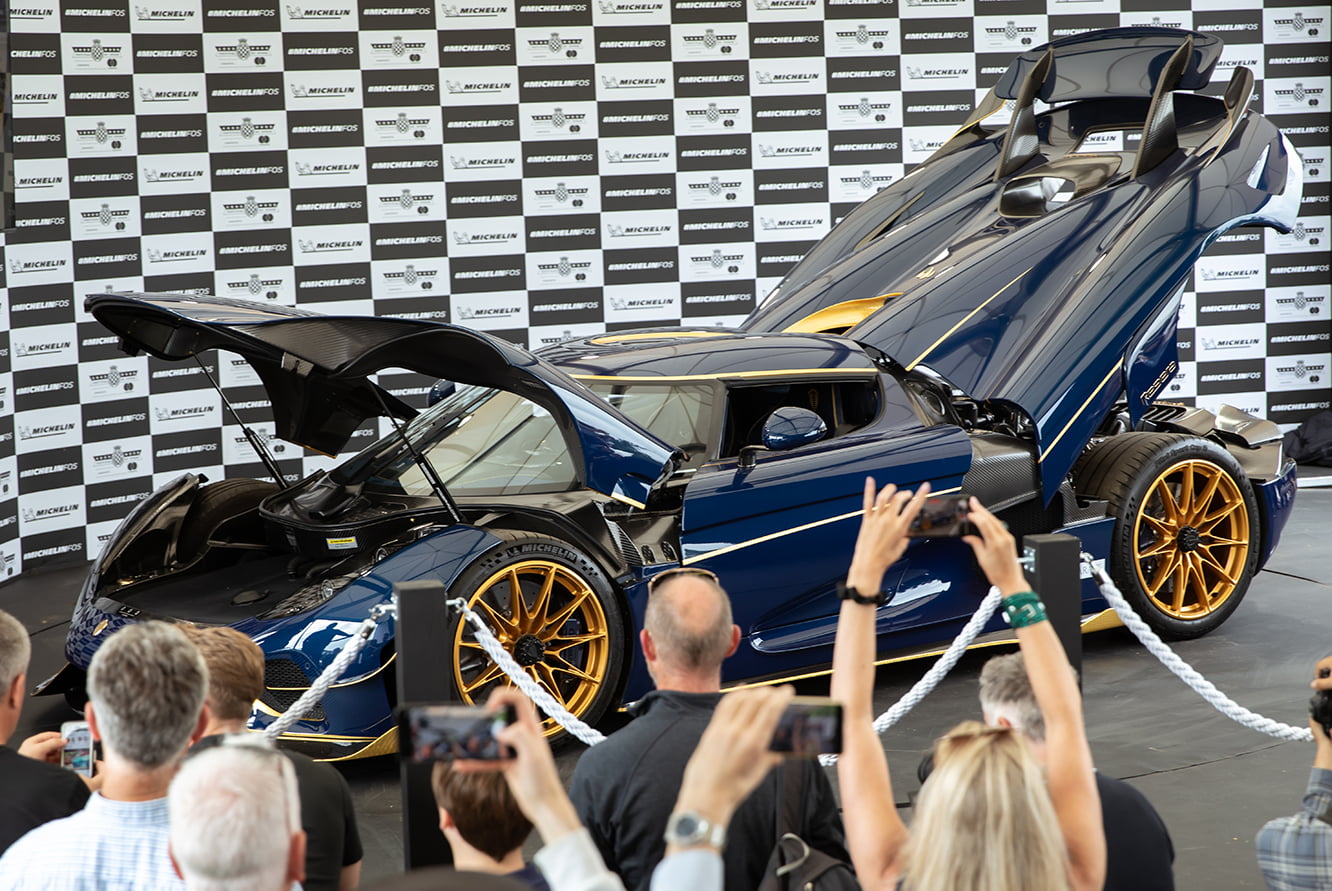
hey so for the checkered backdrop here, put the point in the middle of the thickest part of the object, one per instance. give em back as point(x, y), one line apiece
point(532, 168)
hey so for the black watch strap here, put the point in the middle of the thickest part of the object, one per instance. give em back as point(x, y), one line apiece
point(846, 592)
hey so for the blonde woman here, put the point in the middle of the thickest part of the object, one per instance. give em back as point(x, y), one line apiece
point(989, 818)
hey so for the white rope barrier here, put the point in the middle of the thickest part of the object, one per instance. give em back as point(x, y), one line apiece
point(913, 697)
point(524, 681)
point(1185, 672)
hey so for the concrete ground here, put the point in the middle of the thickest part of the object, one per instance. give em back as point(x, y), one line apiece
point(1213, 781)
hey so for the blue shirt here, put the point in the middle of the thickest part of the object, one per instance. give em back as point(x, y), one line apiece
point(1295, 853)
point(107, 846)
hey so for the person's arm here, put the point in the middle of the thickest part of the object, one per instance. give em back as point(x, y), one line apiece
point(349, 877)
point(875, 832)
point(1070, 774)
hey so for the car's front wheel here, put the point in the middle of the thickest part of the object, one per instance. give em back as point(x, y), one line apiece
point(554, 610)
point(1186, 527)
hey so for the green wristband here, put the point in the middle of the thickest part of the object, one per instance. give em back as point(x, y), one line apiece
point(1021, 597)
point(1024, 608)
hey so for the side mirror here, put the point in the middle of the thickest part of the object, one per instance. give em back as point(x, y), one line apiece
point(786, 428)
point(440, 391)
point(789, 427)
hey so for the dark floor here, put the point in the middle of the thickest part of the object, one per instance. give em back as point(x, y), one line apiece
point(1213, 781)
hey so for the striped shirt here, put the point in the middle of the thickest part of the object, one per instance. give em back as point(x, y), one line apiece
point(107, 846)
point(1295, 853)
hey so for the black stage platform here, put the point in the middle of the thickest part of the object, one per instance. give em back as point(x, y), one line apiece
point(1214, 782)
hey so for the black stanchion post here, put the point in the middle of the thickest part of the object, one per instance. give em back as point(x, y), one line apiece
point(422, 678)
point(1053, 563)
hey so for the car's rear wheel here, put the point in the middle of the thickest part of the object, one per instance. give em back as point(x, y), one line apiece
point(554, 610)
point(1186, 527)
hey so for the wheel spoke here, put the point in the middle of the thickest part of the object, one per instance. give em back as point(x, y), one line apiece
point(1181, 584)
point(1208, 493)
point(562, 643)
point(542, 604)
point(557, 662)
point(1172, 511)
point(491, 674)
point(1209, 521)
point(1206, 558)
point(1164, 569)
point(517, 605)
point(471, 645)
point(563, 615)
point(1161, 527)
point(1163, 545)
point(496, 618)
point(1187, 505)
point(543, 675)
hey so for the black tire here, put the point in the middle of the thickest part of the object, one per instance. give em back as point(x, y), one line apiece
point(582, 615)
point(1186, 527)
point(213, 506)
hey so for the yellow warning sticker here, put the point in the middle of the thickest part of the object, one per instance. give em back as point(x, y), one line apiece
point(341, 544)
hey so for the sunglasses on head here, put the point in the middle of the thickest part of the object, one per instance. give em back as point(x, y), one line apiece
point(679, 571)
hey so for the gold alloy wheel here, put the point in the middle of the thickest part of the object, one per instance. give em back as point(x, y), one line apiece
point(549, 618)
point(1191, 539)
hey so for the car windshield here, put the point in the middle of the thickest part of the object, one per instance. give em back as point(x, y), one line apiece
point(481, 441)
point(678, 414)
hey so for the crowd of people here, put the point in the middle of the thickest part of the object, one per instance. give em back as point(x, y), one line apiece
point(688, 795)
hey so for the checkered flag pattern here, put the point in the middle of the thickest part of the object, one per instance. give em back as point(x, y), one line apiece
point(533, 168)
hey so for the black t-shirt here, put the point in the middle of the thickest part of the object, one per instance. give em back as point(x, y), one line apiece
point(624, 790)
point(35, 792)
point(1139, 853)
point(327, 816)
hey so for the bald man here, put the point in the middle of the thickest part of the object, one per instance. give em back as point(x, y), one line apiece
point(625, 788)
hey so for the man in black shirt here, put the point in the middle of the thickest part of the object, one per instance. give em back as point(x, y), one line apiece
point(235, 681)
point(35, 792)
point(625, 788)
point(1139, 853)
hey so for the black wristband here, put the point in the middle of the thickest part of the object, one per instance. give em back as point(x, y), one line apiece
point(846, 592)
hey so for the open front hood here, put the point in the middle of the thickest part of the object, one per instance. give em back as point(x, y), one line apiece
point(315, 369)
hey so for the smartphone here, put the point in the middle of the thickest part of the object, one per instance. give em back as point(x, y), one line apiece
point(811, 725)
point(77, 755)
point(446, 732)
point(943, 516)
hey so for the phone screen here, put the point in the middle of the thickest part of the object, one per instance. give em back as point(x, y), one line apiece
point(445, 732)
point(943, 516)
point(77, 755)
point(811, 725)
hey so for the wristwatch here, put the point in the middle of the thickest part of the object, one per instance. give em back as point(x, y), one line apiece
point(846, 592)
point(687, 828)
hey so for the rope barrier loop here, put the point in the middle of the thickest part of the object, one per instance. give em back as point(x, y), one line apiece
point(1185, 672)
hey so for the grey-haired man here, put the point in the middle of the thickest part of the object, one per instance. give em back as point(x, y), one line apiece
point(146, 690)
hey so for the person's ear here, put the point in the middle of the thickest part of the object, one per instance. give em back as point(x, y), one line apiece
point(201, 725)
point(14, 695)
point(648, 645)
point(446, 821)
point(91, 718)
point(296, 858)
point(735, 641)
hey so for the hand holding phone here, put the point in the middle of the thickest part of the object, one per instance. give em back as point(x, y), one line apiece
point(453, 732)
point(810, 725)
point(77, 755)
point(943, 516)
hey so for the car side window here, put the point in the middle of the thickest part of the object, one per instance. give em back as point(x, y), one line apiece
point(843, 405)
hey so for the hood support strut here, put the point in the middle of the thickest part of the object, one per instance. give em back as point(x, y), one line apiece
point(250, 436)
